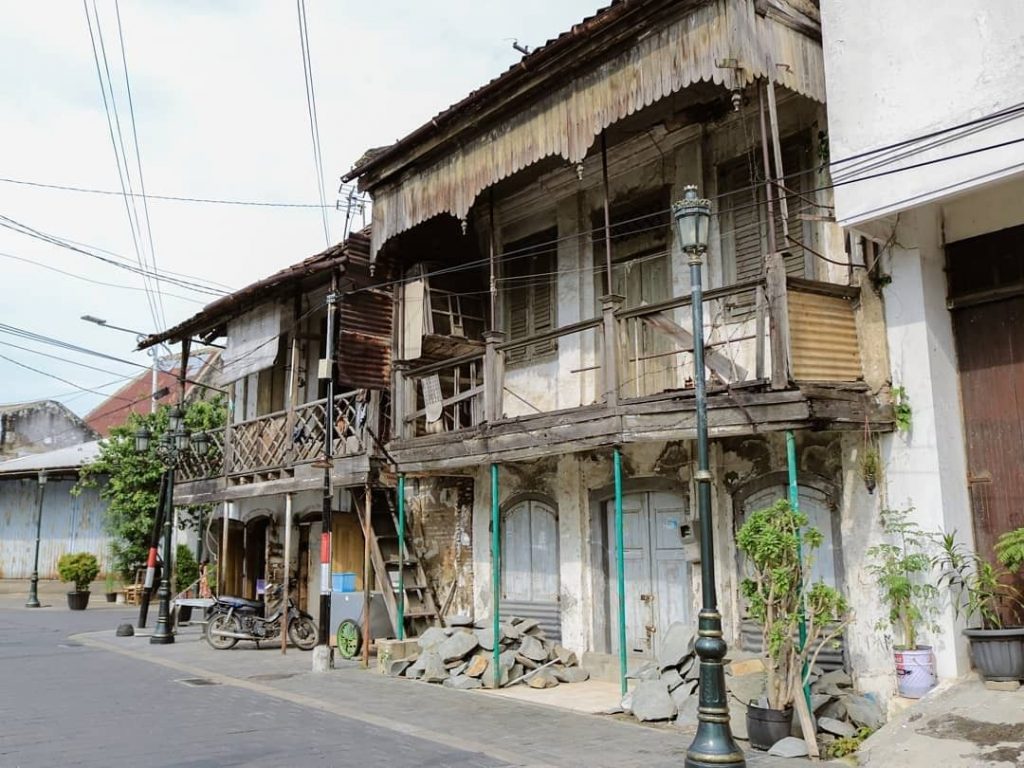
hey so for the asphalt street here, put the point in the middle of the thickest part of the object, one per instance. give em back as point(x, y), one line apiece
point(65, 703)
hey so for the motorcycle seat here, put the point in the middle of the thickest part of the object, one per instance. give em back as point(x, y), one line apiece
point(240, 602)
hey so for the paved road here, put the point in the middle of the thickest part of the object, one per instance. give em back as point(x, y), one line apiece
point(64, 703)
point(73, 694)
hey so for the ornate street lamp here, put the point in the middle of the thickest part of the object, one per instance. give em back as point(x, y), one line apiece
point(171, 448)
point(713, 745)
point(33, 589)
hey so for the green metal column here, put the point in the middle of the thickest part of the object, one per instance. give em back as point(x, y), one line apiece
point(620, 571)
point(496, 575)
point(794, 504)
point(401, 557)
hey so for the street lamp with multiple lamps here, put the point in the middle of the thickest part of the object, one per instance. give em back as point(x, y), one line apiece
point(713, 745)
point(171, 449)
point(33, 589)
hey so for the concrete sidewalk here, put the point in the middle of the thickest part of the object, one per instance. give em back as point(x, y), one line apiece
point(963, 725)
point(514, 731)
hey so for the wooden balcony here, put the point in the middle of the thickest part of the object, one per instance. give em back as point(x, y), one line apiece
point(275, 452)
point(781, 353)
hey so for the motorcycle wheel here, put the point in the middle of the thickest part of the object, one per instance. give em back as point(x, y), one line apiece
point(350, 639)
point(224, 623)
point(302, 632)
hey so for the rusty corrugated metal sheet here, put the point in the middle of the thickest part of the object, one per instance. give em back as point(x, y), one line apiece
point(364, 340)
point(214, 315)
point(823, 343)
point(69, 524)
point(565, 121)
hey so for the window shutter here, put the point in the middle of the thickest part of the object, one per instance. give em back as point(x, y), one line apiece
point(518, 321)
point(543, 310)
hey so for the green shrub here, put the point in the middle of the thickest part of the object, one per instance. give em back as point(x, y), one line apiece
point(1010, 549)
point(187, 567)
point(79, 567)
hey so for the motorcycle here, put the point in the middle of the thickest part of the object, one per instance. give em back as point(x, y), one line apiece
point(233, 619)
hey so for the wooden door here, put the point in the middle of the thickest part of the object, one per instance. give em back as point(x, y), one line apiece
point(648, 364)
point(987, 292)
point(530, 581)
point(657, 577)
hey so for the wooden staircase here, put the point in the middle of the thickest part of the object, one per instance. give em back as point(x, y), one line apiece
point(420, 604)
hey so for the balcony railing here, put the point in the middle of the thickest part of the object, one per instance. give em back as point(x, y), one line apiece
point(773, 330)
point(288, 438)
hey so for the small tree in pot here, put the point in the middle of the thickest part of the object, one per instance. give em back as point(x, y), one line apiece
point(81, 569)
point(983, 594)
point(903, 567)
point(779, 546)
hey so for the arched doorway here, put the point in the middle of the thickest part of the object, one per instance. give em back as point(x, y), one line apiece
point(529, 563)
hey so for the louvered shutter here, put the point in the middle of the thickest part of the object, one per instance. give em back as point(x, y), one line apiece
point(518, 302)
point(795, 162)
point(543, 310)
point(740, 230)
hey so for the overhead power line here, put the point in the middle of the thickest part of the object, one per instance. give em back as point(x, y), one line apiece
point(190, 283)
point(117, 144)
point(314, 123)
point(54, 376)
point(138, 158)
point(90, 280)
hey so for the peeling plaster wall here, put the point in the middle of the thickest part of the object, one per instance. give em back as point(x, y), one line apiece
point(440, 523)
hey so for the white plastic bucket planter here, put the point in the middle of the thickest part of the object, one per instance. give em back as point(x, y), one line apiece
point(915, 671)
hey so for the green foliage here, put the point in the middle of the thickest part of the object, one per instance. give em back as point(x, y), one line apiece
point(979, 589)
point(187, 567)
point(902, 413)
point(779, 547)
point(903, 565)
point(1010, 550)
point(79, 567)
point(111, 582)
point(130, 481)
point(847, 745)
point(869, 465)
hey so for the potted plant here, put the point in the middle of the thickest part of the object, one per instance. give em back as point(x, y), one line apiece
point(79, 568)
point(779, 547)
point(903, 565)
point(111, 582)
point(984, 595)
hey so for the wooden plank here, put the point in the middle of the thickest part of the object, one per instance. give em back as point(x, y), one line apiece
point(778, 314)
point(713, 359)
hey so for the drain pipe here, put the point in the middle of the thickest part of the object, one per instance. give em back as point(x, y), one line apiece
point(794, 505)
point(620, 571)
point(496, 575)
point(400, 629)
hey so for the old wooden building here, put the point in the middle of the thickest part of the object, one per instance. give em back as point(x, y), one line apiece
point(542, 317)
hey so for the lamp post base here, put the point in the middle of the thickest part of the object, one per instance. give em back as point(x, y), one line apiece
point(33, 592)
point(161, 639)
point(713, 745)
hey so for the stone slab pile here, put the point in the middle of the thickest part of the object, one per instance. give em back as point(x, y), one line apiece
point(666, 690)
point(461, 656)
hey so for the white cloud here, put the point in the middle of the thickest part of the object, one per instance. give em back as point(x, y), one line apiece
point(220, 107)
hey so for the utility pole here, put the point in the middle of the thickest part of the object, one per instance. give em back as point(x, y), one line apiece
point(322, 656)
point(33, 590)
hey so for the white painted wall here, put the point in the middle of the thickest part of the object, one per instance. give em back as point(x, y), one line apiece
point(898, 70)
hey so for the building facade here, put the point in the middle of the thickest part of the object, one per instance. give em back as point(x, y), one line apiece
point(930, 181)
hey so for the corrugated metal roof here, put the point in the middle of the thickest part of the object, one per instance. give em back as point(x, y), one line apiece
point(355, 247)
point(634, 60)
point(73, 457)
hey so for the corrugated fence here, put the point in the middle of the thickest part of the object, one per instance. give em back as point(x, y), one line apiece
point(69, 524)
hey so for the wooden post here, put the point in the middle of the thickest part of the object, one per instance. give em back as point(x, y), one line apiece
point(222, 568)
point(400, 402)
point(293, 393)
point(778, 315)
point(610, 362)
point(287, 567)
point(494, 376)
point(367, 594)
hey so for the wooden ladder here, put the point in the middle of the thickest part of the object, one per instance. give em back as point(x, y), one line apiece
point(420, 602)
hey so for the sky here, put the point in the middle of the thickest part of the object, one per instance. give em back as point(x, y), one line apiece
point(220, 109)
